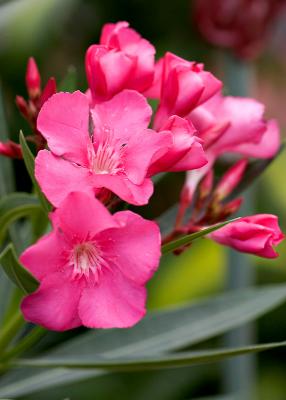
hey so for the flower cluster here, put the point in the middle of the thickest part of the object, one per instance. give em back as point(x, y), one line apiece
point(103, 148)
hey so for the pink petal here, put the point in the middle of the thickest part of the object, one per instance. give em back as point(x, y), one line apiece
point(134, 247)
point(44, 257)
point(115, 302)
point(63, 121)
point(142, 150)
point(81, 216)
point(125, 189)
point(268, 145)
point(55, 304)
point(58, 177)
point(126, 113)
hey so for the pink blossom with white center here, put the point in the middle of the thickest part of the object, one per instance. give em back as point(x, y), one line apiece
point(122, 60)
point(116, 156)
point(257, 234)
point(92, 267)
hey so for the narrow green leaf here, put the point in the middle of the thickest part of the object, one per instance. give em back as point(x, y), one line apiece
point(182, 359)
point(15, 206)
point(183, 241)
point(16, 272)
point(161, 331)
point(30, 165)
point(69, 83)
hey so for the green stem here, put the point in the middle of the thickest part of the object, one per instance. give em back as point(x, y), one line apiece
point(24, 344)
point(9, 330)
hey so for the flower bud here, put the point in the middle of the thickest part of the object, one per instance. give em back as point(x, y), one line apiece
point(230, 180)
point(33, 79)
point(256, 234)
point(10, 149)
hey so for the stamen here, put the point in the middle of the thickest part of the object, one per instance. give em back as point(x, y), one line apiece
point(86, 259)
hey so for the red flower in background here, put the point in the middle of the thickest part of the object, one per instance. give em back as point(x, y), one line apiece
point(240, 25)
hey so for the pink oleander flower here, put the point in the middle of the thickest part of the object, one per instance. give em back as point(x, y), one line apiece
point(186, 152)
point(122, 60)
point(257, 234)
point(236, 125)
point(92, 267)
point(232, 125)
point(112, 150)
point(181, 86)
point(240, 25)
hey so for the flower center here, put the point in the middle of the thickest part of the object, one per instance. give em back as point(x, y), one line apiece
point(86, 259)
point(105, 156)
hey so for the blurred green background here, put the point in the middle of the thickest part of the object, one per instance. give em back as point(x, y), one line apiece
point(57, 33)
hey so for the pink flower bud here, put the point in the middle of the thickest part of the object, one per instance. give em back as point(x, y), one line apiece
point(49, 90)
point(206, 184)
point(23, 106)
point(33, 79)
point(256, 234)
point(230, 180)
point(10, 149)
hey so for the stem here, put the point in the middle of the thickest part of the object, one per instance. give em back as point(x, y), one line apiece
point(10, 329)
point(25, 344)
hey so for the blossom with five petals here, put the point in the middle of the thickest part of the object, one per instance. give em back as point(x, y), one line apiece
point(116, 156)
point(92, 267)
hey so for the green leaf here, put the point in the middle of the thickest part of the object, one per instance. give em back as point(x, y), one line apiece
point(15, 206)
point(134, 363)
point(183, 241)
point(160, 331)
point(69, 83)
point(16, 272)
point(30, 165)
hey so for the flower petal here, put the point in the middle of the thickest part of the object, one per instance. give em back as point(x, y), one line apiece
point(134, 247)
point(115, 302)
point(44, 257)
point(125, 189)
point(55, 304)
point(81, 216)
point(63, 121)
point(125, 114)
point(58, 177)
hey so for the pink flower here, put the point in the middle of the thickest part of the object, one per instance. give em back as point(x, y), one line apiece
point(123, 60)
point(116, 156)
point(92, 267)
point(186, 152)
point(236, 125)
point(182, 85)
point(237, 24)
point(256, 234)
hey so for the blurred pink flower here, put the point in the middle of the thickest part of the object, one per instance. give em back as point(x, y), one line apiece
point(256, 234)
point(240, 25)
point(122, 60)
point(116, 156)
point(92, 267)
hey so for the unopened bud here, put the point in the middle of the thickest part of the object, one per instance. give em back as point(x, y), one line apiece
point(33, 79)
point(231, 208)
point(230, 180)
point(206, 185)
point(10, 149)
point(49, 90)
point(23, 106)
